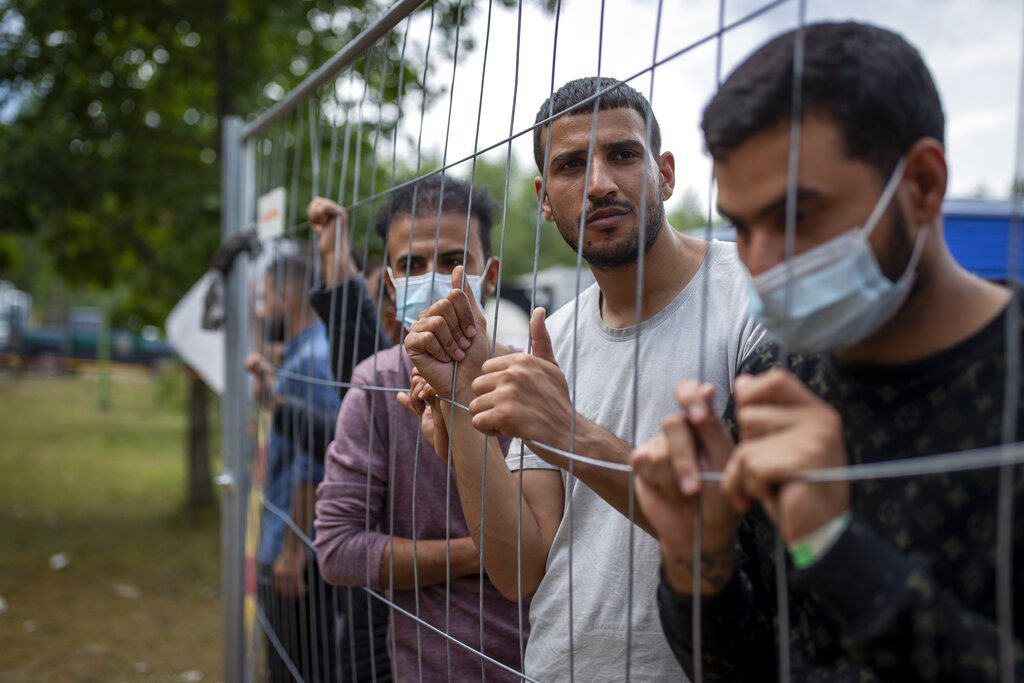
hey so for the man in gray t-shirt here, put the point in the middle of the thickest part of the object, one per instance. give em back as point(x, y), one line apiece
point(572, 546)
point(598, 537)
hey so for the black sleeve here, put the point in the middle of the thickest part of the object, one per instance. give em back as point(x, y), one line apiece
point(896, 619)
point(351, 319)
point(309, 427)
point(738, 623)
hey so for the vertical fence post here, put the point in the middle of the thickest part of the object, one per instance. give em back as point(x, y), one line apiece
point(234, 450)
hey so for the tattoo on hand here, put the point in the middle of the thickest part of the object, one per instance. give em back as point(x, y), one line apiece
point(716, 567)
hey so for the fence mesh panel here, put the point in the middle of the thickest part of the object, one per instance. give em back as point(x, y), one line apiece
point(315, 305)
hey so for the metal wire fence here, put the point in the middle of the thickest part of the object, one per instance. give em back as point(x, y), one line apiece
point(342, 135)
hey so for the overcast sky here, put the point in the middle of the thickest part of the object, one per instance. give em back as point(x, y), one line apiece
point(973, 48)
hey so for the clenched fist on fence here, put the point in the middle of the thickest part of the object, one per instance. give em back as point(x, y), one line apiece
point(330, 223)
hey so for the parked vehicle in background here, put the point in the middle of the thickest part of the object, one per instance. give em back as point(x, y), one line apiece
point(14, 310)
point(78, 340)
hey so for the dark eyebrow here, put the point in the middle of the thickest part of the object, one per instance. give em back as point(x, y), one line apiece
point(450, 253)
point(772, 207)
point(617, 146)
point(624, 145)
point(405, 258)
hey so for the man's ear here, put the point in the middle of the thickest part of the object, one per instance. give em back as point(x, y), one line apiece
point(389, 284)
point(545, 205)
point(491, 276)
point(667, 175)
point(925, 185)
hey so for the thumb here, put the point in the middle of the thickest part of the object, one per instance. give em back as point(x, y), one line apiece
point(460, 281)
point(457, 276)
point(539, 338)
point(341, 223)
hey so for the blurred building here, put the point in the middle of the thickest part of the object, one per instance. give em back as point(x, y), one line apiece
point(978, 232)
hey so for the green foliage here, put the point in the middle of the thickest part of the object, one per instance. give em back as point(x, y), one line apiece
point(105, 487)
point(109, 131)
point(689, 215)
point(520, 226)
point(9, 255)
point(169, 387)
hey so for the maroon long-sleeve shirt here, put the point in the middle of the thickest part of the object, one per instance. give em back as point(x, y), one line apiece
point(372, 428)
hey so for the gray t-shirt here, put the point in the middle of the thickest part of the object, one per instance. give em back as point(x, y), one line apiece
point(670, 351)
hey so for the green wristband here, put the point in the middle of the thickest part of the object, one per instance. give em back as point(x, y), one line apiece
point(814, 545)
point(802, 556)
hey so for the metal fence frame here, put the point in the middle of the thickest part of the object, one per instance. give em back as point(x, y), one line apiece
point(238, 197)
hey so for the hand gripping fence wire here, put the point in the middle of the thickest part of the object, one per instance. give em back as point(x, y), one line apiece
point(342, 111)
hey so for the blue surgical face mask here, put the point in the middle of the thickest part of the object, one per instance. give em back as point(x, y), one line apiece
point(415, 294)
point(835, 295)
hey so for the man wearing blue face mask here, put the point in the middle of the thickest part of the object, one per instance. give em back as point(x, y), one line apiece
point(381, 515)
point(897, 353)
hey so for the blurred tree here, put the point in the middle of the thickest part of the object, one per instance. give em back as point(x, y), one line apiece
point(109, 130)
point(689, 215)
point(520, 219)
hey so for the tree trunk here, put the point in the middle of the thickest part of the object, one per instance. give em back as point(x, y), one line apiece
point(200, 491)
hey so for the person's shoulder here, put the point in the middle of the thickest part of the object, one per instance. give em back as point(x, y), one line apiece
point(722, 281)
point(380, 366)
point(310, 345)
point(562, 318)
point(768, 355)
point(764, 357)
point(726, 267)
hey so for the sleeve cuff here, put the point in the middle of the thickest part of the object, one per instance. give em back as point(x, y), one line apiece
point(375, 542)
point(519, 457)
point(731, 597)
point(860, 578)
point(814, 545)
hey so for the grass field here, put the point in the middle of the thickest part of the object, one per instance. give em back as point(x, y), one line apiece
point(138, 599)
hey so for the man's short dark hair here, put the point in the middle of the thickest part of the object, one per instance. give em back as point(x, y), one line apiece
point(292, 270)
point(428, 198)
point(870, 81)
point(570, 95)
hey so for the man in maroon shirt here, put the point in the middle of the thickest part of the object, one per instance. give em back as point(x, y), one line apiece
point(380, 520)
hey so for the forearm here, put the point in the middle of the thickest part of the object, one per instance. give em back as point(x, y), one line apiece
point(738, 638)
point(716, 568)
point(303, 499)
point(501, 525)
point(351, 318)
point(406, 565)
point(889, 606)
point(612, 485)
point(735, 644)
point(349, 547)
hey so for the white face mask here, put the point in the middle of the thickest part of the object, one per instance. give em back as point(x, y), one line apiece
point(837, 294)
point(415, 294)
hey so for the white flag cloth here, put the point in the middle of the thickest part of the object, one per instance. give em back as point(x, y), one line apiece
point(202, 350)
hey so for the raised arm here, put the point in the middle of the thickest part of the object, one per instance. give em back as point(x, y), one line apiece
point(525, 395)
point(343, 303)
point(497, 530)
point(454, 329)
